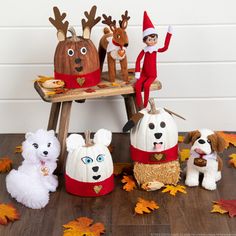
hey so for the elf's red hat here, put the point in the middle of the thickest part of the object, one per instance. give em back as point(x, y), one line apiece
point(148, 27)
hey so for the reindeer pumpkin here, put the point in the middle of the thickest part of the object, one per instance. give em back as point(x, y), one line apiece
point(114, 43)
point(76, 60)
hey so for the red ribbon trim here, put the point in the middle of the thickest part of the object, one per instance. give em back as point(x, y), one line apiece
point(90, 79)
point(117, 44)
point(147, 157)
point(86, 189)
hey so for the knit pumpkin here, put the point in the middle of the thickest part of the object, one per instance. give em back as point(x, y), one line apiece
point(154, 148)
point(89, 166)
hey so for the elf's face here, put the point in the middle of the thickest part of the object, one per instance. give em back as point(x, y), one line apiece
point(151, 41)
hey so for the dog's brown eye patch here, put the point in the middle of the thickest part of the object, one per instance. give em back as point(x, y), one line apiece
point(151, 126)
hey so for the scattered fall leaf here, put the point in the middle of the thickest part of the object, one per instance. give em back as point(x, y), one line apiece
point(8, 213)
point(115, 84)
point(232, 160)
point(18, 149)
point(180, 138)
point(60, 90)
point(229, 138)
point(83, 226)
point(102, 86)
point(174, 189)
point(217, 209)
point(89, 90)
point(145, 206)
point(42, 79)
point(50, 93)
point(5, 164)
point(120, 168)
point(228, 205)
point(184, 154)
point(129, 181)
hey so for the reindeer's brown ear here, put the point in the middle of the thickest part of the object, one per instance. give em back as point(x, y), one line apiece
point(192, 136)
point(133, 121)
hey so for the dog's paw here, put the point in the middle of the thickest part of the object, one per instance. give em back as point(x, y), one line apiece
point(209, 185)
point(191, 182)
point(218, 176)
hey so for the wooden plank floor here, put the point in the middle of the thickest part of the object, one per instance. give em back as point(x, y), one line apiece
point(183, 214)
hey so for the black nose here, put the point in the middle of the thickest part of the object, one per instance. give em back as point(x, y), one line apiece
point(126, 45)
point(95, 168)
point(158, 135)
point(201, 141)
point(45, 153)
point(77, 60)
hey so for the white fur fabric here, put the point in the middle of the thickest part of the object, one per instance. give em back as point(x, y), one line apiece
point(34, 179)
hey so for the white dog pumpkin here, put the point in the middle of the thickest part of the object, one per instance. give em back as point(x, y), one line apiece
point(154, 148)
point(89, 166)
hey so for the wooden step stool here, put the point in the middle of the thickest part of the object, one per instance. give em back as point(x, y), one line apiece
point(61, 104)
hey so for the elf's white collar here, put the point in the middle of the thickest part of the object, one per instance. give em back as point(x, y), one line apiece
point(150, 49)
point(211, 156)
point(111, 46)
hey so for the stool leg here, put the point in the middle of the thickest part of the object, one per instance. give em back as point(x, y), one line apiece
point(130, 105)
point(53, 118)
point(62, 135)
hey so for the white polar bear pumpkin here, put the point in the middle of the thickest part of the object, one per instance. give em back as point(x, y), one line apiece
point(89, 166)
point(154, 147)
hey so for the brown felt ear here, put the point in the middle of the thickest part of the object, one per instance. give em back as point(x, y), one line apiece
point(133, 121)
point(217, 143)
point(192, 136)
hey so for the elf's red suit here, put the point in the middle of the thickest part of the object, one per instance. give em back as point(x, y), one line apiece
point(149, 70)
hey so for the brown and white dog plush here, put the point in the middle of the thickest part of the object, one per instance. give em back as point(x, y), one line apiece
point(204, 159)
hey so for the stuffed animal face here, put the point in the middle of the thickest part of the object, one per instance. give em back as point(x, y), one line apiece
point(89, 163)
point(205, 141)
point(155, 132)
point(40, 146)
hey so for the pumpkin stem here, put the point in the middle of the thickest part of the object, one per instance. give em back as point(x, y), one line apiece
point(72, 31)
point(88, 141)
point(153, 107)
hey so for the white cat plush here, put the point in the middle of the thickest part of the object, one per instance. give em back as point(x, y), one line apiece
point(34, 179)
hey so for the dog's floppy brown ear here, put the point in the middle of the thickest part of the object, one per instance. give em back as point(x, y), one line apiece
point(133, 121)
point(217, 142)
point(192, 136)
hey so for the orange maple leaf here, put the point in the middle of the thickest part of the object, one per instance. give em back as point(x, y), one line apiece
point(5, 164)
point(229, 138)
point(145, 206)
point(129, 181)
point(83, 226)
point(120, 168)
point(174, 189)
point(8, 213)
point(233, 162)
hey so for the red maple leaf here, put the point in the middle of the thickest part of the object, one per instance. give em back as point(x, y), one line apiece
point(228, 205)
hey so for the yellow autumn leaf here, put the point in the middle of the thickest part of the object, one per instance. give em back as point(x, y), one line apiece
point(184, 154)
point(180, 138)
point(217, 208)
point(174, 189)
point(115, 84)
point(42, 79)
point(145, 206)
point(18, 149)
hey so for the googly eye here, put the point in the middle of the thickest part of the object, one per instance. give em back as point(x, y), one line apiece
point(163, 124)
point(49, 144)
point(35, 145)
point(100, 157)
point(83, 50)
point(151, 126)
point(87, 160)
point(70, 52)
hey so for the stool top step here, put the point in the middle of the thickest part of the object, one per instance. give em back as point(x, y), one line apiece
point(103, 89)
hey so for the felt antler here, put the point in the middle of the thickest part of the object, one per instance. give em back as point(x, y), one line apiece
point(90, 23)
point(124, 20)
point(108, 21)
point(58, 24)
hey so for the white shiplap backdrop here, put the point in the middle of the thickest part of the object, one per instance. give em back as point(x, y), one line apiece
point(198, 72)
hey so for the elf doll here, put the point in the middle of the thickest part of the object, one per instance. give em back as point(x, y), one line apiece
point(149, 71)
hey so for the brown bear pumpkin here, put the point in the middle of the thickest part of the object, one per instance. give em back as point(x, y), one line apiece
point(76, 59)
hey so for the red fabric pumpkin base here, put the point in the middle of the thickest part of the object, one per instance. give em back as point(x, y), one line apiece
point(86, 189)
point(149, 157)
point(80, 81)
